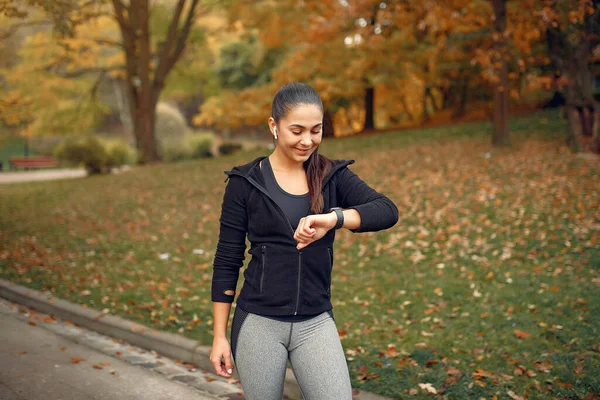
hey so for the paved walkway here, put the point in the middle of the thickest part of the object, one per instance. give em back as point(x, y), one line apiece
point(50, 174)
point(47, 358)
point(41, 175)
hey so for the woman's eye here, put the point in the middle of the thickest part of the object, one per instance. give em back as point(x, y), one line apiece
point(316, 132)
point(297, 132)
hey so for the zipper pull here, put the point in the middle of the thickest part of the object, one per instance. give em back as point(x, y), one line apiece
point(263, 248)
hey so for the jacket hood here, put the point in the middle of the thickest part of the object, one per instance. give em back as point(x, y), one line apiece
point(249, 169)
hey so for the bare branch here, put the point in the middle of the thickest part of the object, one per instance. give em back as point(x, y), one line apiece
point(161, 70)
point(181, 41)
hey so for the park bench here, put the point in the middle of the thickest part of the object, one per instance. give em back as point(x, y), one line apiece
point(31, 162)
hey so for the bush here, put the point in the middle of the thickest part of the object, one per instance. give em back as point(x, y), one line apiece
point(119, 153)
point(87, 151)
point(229, 148)
point(200, 145)
point(97, 156)
point(173, 149)
point(188, 147)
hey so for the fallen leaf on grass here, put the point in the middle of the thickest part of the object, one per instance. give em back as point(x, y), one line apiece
point(514, 396)
point(390, 352)
point(428, 387)
point(521, 334)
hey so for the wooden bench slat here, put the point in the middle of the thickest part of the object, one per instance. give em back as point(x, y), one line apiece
point(32, 161)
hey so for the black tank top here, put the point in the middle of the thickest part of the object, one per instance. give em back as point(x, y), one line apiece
point(295, 207)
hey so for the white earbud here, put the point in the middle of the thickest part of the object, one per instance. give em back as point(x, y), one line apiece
point(275, 131)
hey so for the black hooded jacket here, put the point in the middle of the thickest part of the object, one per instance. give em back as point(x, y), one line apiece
point(280, 279)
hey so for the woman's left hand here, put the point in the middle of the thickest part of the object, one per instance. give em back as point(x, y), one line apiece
point(313, 227)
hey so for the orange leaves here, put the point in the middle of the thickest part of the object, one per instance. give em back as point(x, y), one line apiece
point(493, 377)
point(365, 375)
point(77, 360)
point(390, 352)
point(521, 334)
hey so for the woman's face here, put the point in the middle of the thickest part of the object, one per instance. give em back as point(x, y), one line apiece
point(299, 132)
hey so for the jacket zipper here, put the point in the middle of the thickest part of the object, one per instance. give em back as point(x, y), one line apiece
point(298, 293)
point(262, 273)
point(330, 271)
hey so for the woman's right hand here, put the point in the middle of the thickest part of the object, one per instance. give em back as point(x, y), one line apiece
point(220, 356)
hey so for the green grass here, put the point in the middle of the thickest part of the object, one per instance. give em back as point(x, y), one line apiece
point(486, 286)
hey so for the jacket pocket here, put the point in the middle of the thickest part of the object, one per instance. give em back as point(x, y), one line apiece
point(262, 268)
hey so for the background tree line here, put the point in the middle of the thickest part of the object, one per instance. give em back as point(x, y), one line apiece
point(75, 65)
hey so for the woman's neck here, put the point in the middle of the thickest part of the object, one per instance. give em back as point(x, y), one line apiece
point(280, 162)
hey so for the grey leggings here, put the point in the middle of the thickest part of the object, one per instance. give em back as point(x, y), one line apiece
point(261, 346)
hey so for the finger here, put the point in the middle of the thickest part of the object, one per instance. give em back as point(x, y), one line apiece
point(299, 235)
point(307, 229)
point(228, 365)
point(224, 370)
point(217, 365)
point(297, 232)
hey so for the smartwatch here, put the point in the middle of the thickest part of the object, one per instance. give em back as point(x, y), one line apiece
point(340, 216)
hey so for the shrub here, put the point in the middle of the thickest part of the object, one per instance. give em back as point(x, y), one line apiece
point(174, 149)
point(87, 151)
point(200, 145)
point(98, 156)
point(119, 153)
point(188, 147)
point(229, 148)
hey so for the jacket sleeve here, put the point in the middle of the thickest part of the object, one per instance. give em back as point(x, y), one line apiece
point(229, 256)
point(377, 212)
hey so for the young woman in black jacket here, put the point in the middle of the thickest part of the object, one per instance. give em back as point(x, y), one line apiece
point(289, 205)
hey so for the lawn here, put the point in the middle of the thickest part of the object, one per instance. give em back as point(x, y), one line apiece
point(486, 287)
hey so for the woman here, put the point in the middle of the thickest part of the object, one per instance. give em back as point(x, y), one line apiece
point(289, 204)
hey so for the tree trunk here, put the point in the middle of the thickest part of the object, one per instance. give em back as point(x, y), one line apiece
point(574, 137)
point(369, 108)
point(501, 136)
point(596, 131)
point(572, 60)
point(424, 105)
point(461, 102)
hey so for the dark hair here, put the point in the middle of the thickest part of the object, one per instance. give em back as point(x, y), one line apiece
point(317, 166)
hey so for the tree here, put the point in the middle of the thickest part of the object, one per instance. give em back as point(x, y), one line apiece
point(145, 60)
point(146, 81)
point(500, 135)
point(573, 35)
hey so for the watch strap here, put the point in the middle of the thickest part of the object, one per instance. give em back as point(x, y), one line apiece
point(340, 216)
